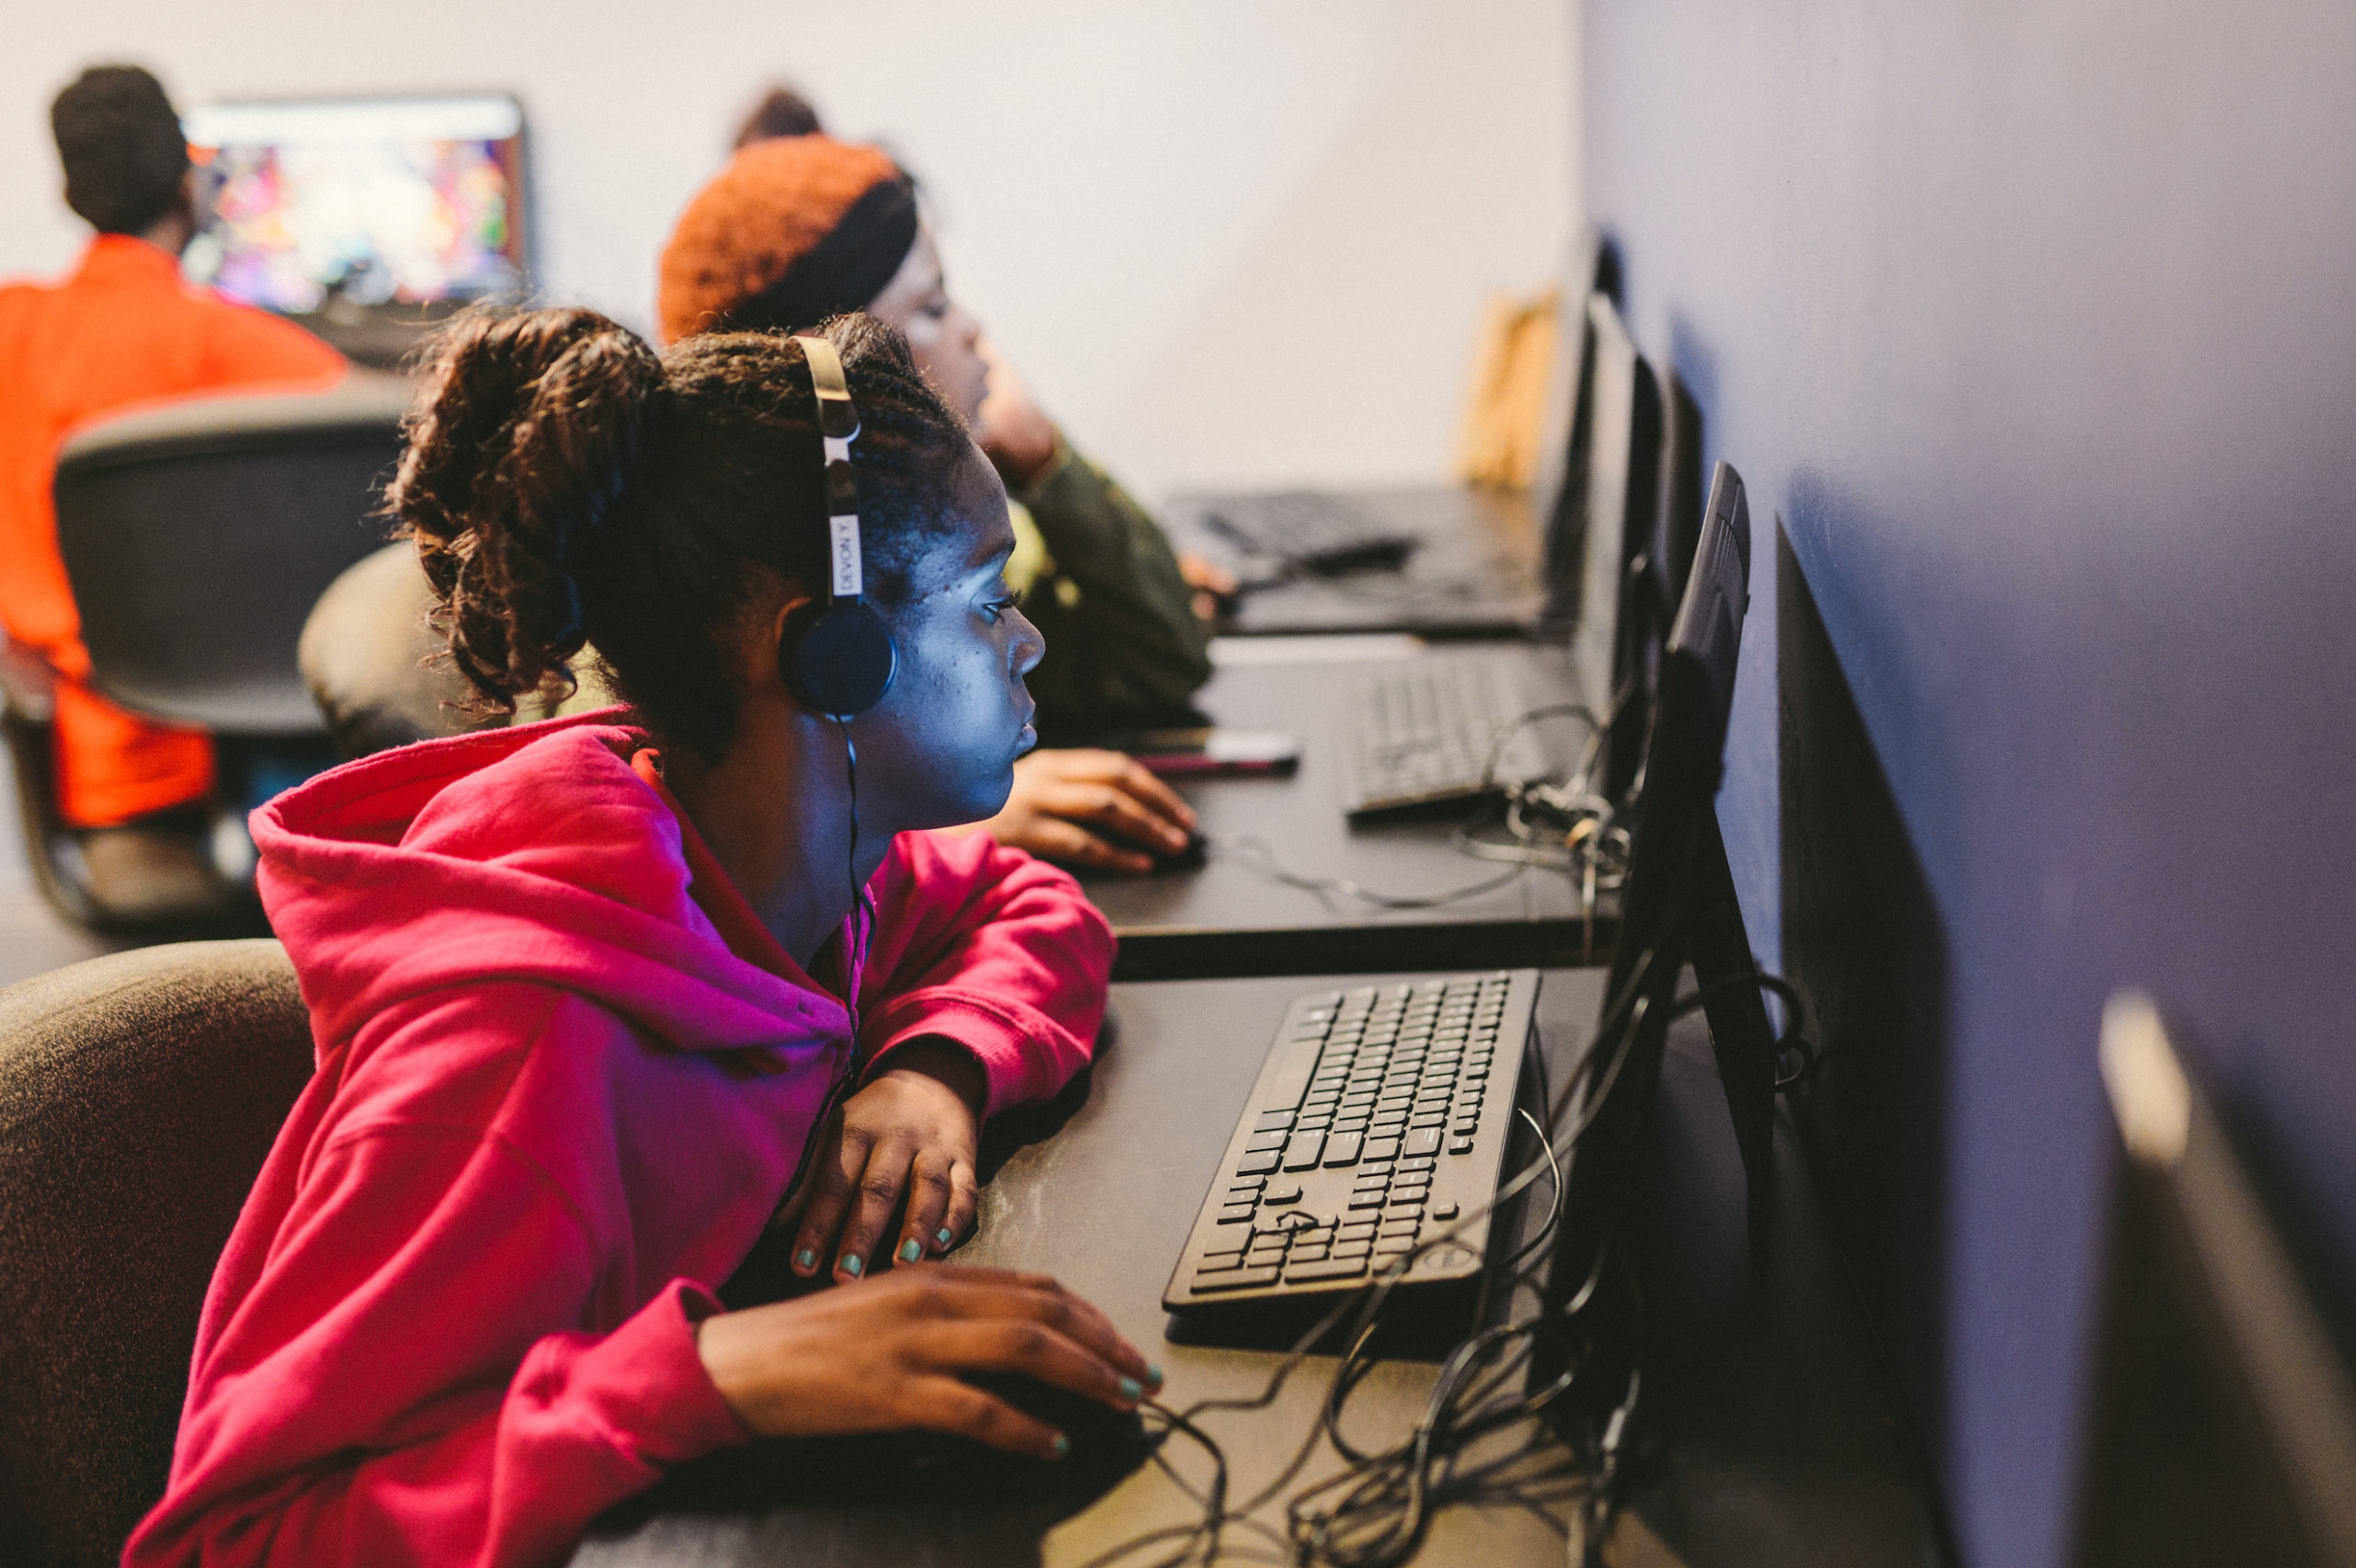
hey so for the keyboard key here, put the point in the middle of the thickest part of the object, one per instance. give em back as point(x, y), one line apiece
point(1273, 1122)
point(1249, 1185)
point(1398, 1211)
point(1461, 1146)
point(1357, 1230)
point(1258, 1164)
point(1373, 1167)
point(1262, 1257)
point(1443, 1211)
point(1357, 1201)
point(1354, 1248)
point(1421, 1140)
point(1214, 1263)
point(1421, 1123)
point(1350, 1125)
point(1332, 1268)
point(1237, 1214)
point(1235, 1279)
point(1391, 1245)
point(1371, 1181)
point(1381, 1147)
point(1407, 1227)
point(1274, 1195)
point(1307, 1255)
point(1419, 1163)
point(1303, 1151)
point(1262, 1142)
point(1466, 1129)
point(1341, 1149)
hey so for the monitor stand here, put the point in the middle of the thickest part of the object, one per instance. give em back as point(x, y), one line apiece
point(1741, 1036)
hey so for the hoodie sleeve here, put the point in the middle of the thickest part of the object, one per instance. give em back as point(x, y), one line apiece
point(408, 1378)
point(993, 950)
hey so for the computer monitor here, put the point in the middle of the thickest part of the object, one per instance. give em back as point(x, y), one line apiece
point(353, 205)
point(1677, 907)
point(1558, 488)
point(2223, 1419)
point(1615, 514)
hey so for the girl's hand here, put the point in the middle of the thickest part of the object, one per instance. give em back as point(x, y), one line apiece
point(1014, 433)
point(885, 1354)
point(914, 1130)
point(1093, 809)
point(1214, 585)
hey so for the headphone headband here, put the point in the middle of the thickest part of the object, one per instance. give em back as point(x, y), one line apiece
point(838, 423)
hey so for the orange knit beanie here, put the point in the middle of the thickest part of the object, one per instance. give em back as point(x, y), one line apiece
point(769, 209)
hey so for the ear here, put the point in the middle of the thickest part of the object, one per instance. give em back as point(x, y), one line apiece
point(758, 659)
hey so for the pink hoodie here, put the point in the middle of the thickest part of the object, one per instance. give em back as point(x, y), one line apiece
point(555, 1107)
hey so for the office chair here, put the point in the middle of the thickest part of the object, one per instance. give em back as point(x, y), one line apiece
point(197, 535)
point(368, 655)
point(373, 664)
point(139, 1094)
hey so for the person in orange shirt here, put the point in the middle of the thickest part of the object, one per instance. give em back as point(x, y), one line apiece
point(122, 330)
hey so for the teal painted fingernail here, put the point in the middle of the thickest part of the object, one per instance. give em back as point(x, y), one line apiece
point(850, 1266)
point(1061, 1446)
point(806, 1259)
point(1131, 1390)
point(946, 1236)
point(911, 1249)
point(1153, 1376)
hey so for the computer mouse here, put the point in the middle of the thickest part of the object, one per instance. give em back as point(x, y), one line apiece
point(1097, 1431)
point(931, 1468)
point(1190, 858)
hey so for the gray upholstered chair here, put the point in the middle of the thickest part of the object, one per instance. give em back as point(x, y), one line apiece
point(368, 655)
point(373, 663)
point(139, 1094)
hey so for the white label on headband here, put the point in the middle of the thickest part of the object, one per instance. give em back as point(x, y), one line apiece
point(849, 578)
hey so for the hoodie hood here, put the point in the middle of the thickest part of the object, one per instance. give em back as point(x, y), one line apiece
point(531, 853)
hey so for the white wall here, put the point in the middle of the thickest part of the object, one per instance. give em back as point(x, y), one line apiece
point(1228, 241)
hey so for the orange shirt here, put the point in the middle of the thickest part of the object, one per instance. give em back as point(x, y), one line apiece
point(124, 329)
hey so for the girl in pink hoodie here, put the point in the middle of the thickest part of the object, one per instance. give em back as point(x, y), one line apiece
point(597, 1001)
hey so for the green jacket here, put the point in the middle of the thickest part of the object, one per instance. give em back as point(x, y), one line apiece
point(1124, 647)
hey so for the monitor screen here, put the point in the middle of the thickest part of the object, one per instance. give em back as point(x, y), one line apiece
point(374, 201)
point(1624, 452)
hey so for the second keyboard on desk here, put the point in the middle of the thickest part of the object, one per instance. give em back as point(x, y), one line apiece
point(1422, 731)
point(1380, 1116)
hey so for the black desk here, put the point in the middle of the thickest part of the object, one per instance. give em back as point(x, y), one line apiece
point(1476, 573)
point(1771, 1440)
point(1231, 916)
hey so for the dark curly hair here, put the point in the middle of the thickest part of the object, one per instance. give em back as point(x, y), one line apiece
point(566, 484)
point(123, 148)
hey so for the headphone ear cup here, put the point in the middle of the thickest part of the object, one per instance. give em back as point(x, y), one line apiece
point(838, 659)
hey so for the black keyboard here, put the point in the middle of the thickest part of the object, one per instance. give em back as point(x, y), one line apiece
point(1312, 532)
point(1421, 731)
point(1381, 1116)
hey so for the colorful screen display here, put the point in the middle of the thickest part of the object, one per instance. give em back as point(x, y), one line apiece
point(374, 203)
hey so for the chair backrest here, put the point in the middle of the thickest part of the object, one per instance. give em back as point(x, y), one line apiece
point(368, 656)
point(198, 534)
point(139, 1094)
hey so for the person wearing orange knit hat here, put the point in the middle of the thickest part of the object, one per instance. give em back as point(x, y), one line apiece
point(799, 228)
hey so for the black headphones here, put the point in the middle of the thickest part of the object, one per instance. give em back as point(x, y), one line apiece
point(837, 656)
